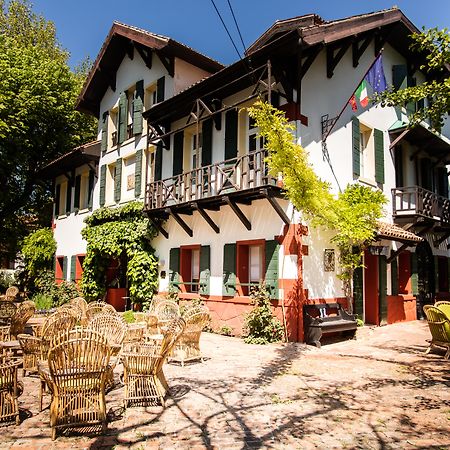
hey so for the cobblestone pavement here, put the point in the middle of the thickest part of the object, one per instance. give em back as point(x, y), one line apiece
point(376, 392)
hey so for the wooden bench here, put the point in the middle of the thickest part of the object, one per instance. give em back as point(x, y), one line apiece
point(325, 318)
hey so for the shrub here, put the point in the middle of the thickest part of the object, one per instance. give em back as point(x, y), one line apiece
point(260, 324)
point(128, 316)
point(43, 301)
point(6, 280)
point(226, 330)
point(65, 291)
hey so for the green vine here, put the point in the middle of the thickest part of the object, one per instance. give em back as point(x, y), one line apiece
point(123, 233)
point(352, 215)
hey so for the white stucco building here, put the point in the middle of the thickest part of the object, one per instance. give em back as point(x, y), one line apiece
point(175, 133)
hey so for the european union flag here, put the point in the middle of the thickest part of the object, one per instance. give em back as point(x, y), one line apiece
point(375, 76)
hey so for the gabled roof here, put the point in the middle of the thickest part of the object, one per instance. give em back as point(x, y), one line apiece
point(281, 26)
point(119, 41)
point(283, 41)
point(83, 154)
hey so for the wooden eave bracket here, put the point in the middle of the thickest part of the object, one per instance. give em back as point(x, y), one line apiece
point(399, 138)
point(276, 206)
point(308, 60)
point(156, 134)
point(109, 75)
point(145, 54)
point(358, 50)
point(168, 62)
point(180, 222)
point(238, 212)
point(407, 244)
point(439, 241)
point(334, 57)
point(159, 227)
point(130, 49)
point(207, 218)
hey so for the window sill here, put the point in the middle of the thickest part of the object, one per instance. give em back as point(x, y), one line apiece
point(368, 182)
point(83, 211)
point(61, 216)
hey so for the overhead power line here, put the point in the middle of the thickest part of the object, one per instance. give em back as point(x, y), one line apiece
point(237, 26)
point(226, 28)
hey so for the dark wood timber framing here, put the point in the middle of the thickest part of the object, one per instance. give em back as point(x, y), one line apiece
point(122, 40)
point(276, 206)
point(238, 211)
point(180, 222)
point(207, 218)
point(159, 227)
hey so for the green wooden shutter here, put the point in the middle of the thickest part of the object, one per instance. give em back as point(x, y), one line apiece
point(379, 155)
point(411, 106)
point(118, 180)
point(382, 284)
point(355, 147)
point(138, 174)
point(138, 107)
point(158, 162)
point(205, 269)
point(102, 184)
point(207, 131)
point(394, 277)
point(358, 291)
point(123, 117)
point(271, 277)
point(76, 197)
point(442, 181)
point(69, 196)
point(160, 89)
point(174, 266)
point(414, 275)
point(399, 76)
point(426, 173)
point(57, 199)
point(91, 188)
point(229, 270)
point(73, 266)
point(231, 134)
point(178, 141)
point(104, 144)
point(64, 268)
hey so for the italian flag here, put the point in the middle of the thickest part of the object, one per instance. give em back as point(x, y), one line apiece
point(361, 94)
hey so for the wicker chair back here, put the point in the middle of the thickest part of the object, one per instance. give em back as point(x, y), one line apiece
point(111, 325)
point(24, 312)
point(444, 306)
point(7, 311)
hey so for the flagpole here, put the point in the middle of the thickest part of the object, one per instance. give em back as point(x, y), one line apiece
point(353, 93)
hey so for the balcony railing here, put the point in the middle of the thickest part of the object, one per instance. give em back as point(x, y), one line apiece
point(224, 178)
point(415, 200)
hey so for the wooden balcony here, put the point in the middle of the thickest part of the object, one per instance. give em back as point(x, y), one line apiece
point(415, 204)
point(238, 178)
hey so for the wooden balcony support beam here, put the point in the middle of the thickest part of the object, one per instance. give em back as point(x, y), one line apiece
point(276, 206)
point(159, 227)
point(207, 218)
point(238, 212)
point(439, 241)
point(180, 222)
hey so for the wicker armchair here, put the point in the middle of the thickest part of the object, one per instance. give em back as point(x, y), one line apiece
point(24, 312)
point(143, 374)
point(80, 303)
point(7, 311)
point(114, 328)
point(95, 308)
point(10, 390)
point(11, 293)
point(188, 346)
point(439, 325)
point(4, 333)
point(36, 348)
point(444, 306)
point(77, 365)
point(166, 311)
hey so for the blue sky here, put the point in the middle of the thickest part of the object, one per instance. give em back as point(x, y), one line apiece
point(82, 25)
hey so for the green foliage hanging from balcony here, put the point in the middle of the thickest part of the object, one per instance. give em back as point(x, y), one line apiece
point(113, 233)
point(352, 215)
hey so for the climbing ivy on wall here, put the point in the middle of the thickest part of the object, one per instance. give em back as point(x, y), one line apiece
point(352, 215)
point(122, 232)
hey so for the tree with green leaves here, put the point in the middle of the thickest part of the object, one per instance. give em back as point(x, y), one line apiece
point(434, 44)
point(353, 215)
point(38, 122)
